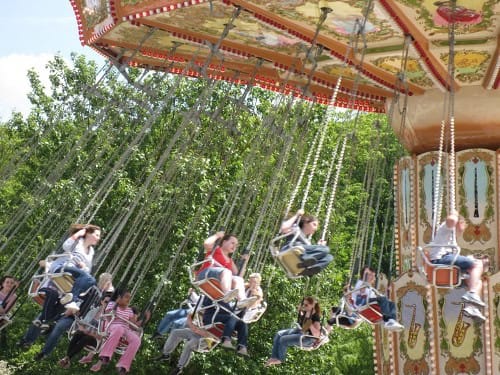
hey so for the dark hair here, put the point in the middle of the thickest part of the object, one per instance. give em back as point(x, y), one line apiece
point(90, 228)
point(119, 292)
point(362, 273)
point(5, 277)
point(305, 219)
point(227, 237)
point(312, 301)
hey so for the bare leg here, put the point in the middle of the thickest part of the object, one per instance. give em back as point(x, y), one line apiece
point(225, 280)
point(474, 283)
point(238, 283)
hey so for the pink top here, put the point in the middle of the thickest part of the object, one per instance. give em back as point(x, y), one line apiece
point(123, 315)
point(11, 300)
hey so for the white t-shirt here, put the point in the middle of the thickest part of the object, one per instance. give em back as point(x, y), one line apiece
point(444, 237)
point(78, 254)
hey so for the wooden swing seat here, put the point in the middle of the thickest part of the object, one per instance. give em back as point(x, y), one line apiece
point(34, 293)
point(289, 260)
point(439, 275)
point(211, 288)
point(371, 312)
point(63, 281)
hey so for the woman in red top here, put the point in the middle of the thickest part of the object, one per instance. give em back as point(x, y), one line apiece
point(223, 268)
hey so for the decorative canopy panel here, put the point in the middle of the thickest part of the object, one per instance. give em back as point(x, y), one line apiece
point(272, 43)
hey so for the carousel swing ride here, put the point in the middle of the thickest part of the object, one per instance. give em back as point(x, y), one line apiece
point(433, 67)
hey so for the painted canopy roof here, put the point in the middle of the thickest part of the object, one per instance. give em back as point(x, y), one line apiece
point(268, 42)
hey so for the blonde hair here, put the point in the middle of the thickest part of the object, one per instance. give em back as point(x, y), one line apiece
point(105, 278)
point(256, 276)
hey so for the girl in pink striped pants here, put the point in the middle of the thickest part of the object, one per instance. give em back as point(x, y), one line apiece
point(118, 328)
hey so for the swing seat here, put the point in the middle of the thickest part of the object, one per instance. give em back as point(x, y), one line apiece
point(34, 288)
point(208, 343)
point(253, 315)
point(289, 260)
point(319, 341)
point(209, 286)
point(105, 321)
point(63, 281)
point(371, 312)
point(440, 275)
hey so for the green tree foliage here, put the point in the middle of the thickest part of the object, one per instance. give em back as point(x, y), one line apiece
point(159, 162)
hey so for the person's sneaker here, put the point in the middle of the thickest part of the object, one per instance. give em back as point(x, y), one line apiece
point(392, 325)
point(242, 350)
point(162, 358)
point(87, 359)
point(229, 296)
point(471, 297)
point(474, 313)
point(67, 298)
point(72, 306)
point(37, 322)
point(122, 370)
point(246, 302)
point(227, 344)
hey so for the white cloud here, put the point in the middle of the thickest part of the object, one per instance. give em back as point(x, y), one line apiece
point(14, 84)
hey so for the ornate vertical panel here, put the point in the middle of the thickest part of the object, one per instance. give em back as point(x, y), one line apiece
point(460, 337)
point(477, 201)
point(413, 354)
point(405, 208)
point(427, 174)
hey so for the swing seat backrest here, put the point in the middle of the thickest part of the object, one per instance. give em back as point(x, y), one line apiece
point(318, 341)
point(254, 314)
point(211, 288)
point(371, 312)
point(439, 275)
point(208, 286)
point(63, 281)
point(289, 260)
point(368, 310)
point(212, 339)
point(34, 288)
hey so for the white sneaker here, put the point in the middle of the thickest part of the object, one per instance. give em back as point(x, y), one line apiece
point(474, 313)
point(243, 351)
point(72, 306)
point(229, 296)
point(227, 344)
point(246, 302)
point(471, 297)
point(67, 298)
point(392, 325)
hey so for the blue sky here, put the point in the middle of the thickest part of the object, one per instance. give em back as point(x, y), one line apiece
point(32, 33)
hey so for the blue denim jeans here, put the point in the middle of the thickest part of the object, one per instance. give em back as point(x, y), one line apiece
point(287, 338)
point(464, 263)
point(32, 333)
point(83, 281)
point(172, 320)
point(387, 307)
point(232, 324)
point(62, 326)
